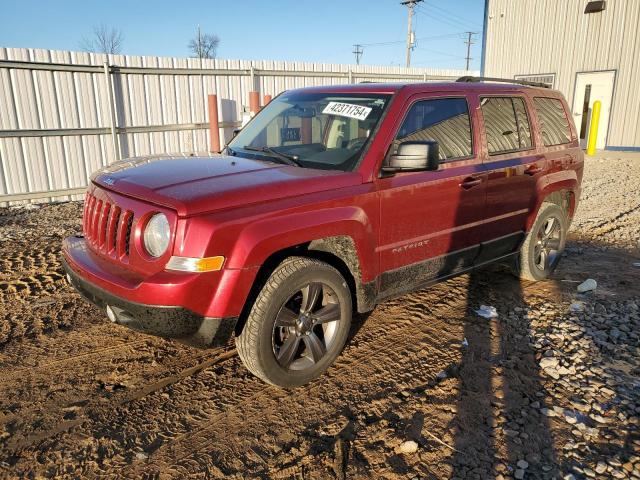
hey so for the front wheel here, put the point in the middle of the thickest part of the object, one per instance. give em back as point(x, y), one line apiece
point(298, 324)
point(544, 244)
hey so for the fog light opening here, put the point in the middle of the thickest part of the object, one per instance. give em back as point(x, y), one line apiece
point(111, 314)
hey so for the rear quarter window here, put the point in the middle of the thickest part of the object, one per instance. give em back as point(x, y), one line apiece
point(506, 124)
point(554, 125)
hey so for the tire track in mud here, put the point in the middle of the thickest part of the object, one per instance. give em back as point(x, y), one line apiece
point(16, 380)
point(249, 397)
point(256, 391)
point(397, 338)
point(177, 457)
point(91, 405)
point(32, 258)
point(57, 364)
point(619, 216)
point(29, 271)
point(31, 285)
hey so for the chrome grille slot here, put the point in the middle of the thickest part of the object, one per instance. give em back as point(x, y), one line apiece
point(107, 227)
point(95, 218)
point(112, 229)
point(91, 203)
point(128, 234)
point(123, 235)
point(102, 225)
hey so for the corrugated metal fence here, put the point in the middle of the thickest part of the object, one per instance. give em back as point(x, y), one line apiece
point(65, 114)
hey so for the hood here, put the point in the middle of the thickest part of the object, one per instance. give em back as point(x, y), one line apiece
point(194, 185)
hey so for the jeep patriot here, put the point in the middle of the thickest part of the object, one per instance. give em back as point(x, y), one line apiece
point(329, 201)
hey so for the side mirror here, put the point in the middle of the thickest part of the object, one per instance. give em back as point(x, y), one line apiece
point(414, 156)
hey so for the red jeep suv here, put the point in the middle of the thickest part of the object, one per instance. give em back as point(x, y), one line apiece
point(329, 201)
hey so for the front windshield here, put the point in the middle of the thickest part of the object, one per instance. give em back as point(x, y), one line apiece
point(313, 130)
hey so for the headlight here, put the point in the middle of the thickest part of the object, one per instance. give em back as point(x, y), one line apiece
point(156, 235)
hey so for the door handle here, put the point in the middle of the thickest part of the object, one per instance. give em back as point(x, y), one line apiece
point(470, 182)
point(532, 170)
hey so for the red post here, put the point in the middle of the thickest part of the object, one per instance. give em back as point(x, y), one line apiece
point(254, 103)
point(214, 130)
point(267, 99)
point(306, 134)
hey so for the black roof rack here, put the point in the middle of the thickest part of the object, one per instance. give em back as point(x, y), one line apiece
point(470, 79)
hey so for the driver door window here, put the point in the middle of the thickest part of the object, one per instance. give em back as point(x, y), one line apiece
point(445, 120)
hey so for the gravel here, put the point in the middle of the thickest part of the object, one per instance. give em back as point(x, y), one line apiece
point(610, 203)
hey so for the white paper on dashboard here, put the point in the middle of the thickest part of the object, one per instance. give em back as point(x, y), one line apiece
point(347, 110)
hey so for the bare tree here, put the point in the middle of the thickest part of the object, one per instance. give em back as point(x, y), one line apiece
point(104, 40)
point(204, 45)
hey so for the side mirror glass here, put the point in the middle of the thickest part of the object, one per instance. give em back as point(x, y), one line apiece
point(414, 156)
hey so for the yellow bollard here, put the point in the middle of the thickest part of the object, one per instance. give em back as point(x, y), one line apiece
point(593, 128)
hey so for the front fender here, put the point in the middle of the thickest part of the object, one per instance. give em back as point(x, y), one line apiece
point(260, 239)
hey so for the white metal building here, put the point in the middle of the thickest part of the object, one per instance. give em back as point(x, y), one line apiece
point(589, 50)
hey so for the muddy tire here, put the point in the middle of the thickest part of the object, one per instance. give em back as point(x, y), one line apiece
point(544, 244)
point(298, 324)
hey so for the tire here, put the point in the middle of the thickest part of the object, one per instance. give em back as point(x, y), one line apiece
point(548, 234)
point(298, 324)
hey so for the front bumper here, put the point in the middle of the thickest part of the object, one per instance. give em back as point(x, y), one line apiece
point(177, 323)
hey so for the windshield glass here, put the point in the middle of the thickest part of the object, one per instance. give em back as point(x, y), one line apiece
point(313, 130)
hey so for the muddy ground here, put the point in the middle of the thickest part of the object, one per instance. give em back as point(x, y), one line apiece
point(546, 390)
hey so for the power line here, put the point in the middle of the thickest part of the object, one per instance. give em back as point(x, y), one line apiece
point(435, 37)
point(444, 15)
point(357, 51)
point(410, 34)
point(441, 18)
point(454, 16)
point(420, 39)
point(378, 44)
point(427, 62)
point(438, 52)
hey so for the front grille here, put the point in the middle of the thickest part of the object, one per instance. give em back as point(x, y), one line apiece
point(107, 227)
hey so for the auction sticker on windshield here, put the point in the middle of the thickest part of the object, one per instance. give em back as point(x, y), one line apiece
point(347, 110)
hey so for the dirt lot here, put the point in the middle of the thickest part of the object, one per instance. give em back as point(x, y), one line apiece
point(546, 390)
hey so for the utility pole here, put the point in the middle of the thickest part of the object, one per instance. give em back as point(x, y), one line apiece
point(199, 44)
point(410, 4)
point(469, 41)
point(357, 51)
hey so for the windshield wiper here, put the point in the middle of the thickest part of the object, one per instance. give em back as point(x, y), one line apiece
point(286, 158)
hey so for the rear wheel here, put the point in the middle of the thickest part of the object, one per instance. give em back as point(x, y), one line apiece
point(298, 324)
point(544, 244)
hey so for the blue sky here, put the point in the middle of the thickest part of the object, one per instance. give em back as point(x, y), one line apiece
point(322, 31)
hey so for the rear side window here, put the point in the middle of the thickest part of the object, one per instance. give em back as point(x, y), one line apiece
point(444, 120)
point(506, 124)
point(554, 125)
